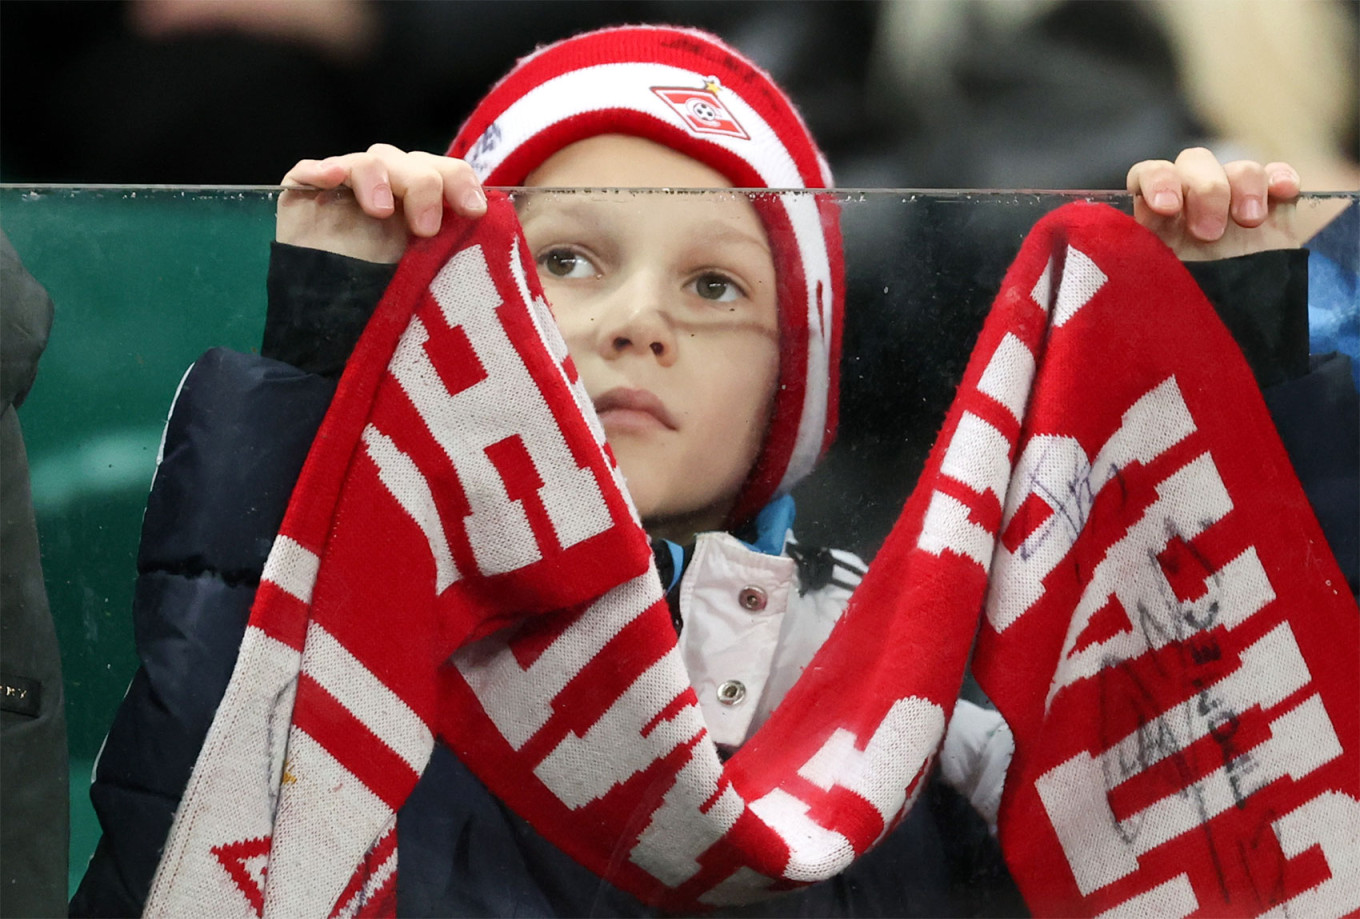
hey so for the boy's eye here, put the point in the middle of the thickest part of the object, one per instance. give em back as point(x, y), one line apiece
point(565, 263)
point(717, 287)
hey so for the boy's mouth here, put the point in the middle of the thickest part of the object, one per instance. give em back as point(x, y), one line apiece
point(633, 409)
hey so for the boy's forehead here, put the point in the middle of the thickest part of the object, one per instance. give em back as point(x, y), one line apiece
point(717, 217)
point(623, 160)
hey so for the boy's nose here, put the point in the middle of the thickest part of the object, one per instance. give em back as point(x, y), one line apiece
point(637, 321)
point(621, 343)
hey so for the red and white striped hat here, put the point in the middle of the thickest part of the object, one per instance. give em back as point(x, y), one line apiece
point(688, 90)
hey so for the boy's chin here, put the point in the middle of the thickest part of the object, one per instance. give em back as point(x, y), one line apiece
point(681, 527)
point(669, 500)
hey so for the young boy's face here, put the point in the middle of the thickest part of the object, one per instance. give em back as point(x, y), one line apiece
point(669, 310)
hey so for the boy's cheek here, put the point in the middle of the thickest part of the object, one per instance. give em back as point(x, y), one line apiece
point(576, 322)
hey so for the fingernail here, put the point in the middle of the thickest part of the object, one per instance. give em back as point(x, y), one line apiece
point(1252, 208)
point(382, 197)
point(1210, 228)
point(1165, 200)
point(427, 222)
point(1283, 175)
point(474, 199)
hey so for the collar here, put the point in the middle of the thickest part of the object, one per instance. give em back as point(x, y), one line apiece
point(767, 534)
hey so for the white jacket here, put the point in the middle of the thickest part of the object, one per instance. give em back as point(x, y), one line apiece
point(749, 632)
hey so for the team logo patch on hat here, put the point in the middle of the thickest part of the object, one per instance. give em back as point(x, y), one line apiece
point(701, 109)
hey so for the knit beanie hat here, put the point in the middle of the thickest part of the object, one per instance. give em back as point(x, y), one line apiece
point(688, 91)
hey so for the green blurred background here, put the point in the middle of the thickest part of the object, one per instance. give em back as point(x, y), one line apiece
point(144, 281)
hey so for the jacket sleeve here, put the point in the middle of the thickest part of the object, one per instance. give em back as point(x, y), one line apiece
point(238, 433)
point(1263, 299)
point(34, 838)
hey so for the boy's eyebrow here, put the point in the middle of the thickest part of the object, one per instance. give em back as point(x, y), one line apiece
point(582, 212)
point(579, 210)
point(724, 232)
point(588, 213)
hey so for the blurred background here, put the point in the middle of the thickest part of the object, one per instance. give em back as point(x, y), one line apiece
point(938, 93)
point(901, 93)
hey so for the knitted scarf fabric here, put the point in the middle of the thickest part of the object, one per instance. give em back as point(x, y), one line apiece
point(1163, 626)
point(1165, 629)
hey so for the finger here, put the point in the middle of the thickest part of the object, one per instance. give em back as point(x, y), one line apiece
point(462, 188)
point(1247, 188)
point(429, 181)
point(419, 185)
point(1206, 191)
point(1157, 184)
point(370, 178)
point(1282, 181)
point(327, 173)
point(459, 185)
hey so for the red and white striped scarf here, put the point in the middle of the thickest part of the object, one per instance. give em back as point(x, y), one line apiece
point(1163, 628)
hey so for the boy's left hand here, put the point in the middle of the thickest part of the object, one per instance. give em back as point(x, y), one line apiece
point(1206, 210)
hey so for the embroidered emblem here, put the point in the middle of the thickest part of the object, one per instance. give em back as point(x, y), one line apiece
point(701, 109)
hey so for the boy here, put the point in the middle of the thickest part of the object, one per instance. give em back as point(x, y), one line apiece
point(708, 342)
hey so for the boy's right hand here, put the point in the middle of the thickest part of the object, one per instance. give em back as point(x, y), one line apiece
point(371, 201)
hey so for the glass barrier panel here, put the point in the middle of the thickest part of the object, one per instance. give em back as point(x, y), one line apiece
point(145, 280)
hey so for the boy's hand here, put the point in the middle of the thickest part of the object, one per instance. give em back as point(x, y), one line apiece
point(1206, 210)
point(372, 200)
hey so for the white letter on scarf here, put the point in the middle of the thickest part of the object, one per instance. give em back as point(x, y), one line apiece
point(1057, 470)
point(506, 403)
point(1101, 848)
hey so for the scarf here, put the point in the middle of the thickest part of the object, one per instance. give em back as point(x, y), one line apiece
point(459, 563)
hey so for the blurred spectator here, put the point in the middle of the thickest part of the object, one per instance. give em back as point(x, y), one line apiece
point(340, 29)
point(33, 780)
point(1027, 94)
point(1065, 93)
point(1274, 81)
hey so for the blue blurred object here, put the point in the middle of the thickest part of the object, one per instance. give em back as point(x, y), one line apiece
point(1333, 296)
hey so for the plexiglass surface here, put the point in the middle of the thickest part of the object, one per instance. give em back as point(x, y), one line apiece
point(144, 280)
